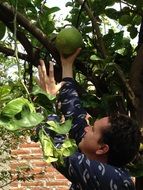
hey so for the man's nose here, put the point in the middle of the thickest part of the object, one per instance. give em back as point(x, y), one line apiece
point(86, 129)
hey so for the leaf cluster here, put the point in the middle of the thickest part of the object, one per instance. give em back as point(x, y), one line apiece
point(52, 151)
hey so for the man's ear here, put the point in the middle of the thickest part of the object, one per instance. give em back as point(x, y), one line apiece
point(103, 149)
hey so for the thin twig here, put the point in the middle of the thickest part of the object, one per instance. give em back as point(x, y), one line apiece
point(96, 28)
point(16, 52)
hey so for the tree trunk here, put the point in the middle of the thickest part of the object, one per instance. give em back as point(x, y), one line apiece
point(137, 86)
point(139, 183)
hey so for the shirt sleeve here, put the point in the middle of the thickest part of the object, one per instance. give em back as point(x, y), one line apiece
point(71, 108)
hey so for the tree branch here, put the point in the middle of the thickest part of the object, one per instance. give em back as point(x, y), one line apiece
point(6, 19)
point(99, 84)
point(129, 93)
point(101, 45)
point(136, 76)
point(136, 79)
point(11, 52)
point(36, 32)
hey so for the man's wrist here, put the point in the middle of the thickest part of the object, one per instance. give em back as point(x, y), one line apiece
point(67, 72)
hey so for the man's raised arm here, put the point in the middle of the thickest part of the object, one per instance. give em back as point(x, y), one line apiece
point(69, 99)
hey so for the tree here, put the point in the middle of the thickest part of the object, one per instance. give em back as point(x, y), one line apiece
point(110, 64)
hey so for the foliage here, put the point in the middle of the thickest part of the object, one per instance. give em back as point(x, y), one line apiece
point(51, 152)
point(108, 70)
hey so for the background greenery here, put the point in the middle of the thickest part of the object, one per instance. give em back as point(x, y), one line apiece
point(108, 70)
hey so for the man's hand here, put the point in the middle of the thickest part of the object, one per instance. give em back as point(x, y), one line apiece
point(48, 83)
point(67, 64)
point(70, 59)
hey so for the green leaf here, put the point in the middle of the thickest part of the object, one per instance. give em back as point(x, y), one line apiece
point(60, 128)
point(118, 40)
point(69, 4)
point(10, 126)
point(45, 23)
point(66, 152)
point(133, 31)
point(19, 114)
point(68, 147)
point(51, 153)
point(136, 20)
point(70, 151)
point(47, 145)
point(37, 90)
point(67, 143)
point(15, 106)
point(112, 13)
point(53, 10)
point(2, 30)
point(133, 2)
point(113, 40)
point(29, 120)
point(4, 92)
point(108, 38)
point(136, 170)
point(37, 3)
point(7, 123)
point(95, 58)
point(110, 2)
point(50, 159)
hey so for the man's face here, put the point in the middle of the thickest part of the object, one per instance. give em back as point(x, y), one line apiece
point(90, 143)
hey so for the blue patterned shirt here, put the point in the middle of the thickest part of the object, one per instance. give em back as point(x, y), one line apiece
point(83, 173)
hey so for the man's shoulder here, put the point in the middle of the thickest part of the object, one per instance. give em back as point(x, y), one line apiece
point(99, 168)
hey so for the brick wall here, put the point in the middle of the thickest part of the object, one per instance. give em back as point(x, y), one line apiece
point(32, 171)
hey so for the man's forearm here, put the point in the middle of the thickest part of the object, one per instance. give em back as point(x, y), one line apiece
point(69, 99)
point(67, 64)
point(67, 70)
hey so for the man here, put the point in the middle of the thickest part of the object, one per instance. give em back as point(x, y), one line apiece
point(104, 148)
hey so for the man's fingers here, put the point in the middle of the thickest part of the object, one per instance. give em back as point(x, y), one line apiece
point(77, 52)
point(40, 73)
point(44, 72)
point(43, 68)
point(71, 57)
point(43, 75)
point(51, 71)
point(40, 80)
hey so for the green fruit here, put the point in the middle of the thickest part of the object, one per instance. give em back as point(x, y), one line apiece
point(68, 40)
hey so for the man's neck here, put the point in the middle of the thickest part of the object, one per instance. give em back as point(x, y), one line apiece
point(99, 158)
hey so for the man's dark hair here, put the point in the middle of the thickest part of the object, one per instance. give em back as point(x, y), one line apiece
point(123, 138)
